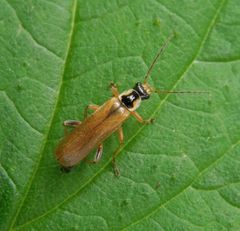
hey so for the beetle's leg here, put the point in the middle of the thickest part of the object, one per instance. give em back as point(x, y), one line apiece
point(114, 89)
point(65, 169)
point(120, 137)
point(71, 123)
point(93, 107)
point(140, 119)
point(98, 155)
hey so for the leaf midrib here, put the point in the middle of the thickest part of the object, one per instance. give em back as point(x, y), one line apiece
point(69, 44)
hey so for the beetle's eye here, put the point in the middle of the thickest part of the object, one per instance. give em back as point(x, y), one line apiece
point(139, 88)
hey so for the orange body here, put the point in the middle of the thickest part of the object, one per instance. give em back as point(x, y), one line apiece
point(107, 119)
point(91, 132)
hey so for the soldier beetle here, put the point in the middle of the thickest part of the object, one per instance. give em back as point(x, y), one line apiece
point(106, 119)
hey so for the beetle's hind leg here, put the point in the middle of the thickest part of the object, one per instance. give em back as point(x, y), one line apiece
point(115, 154)
point(98, 155)
point(93, 107)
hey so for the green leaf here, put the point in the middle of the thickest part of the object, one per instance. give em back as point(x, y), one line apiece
point(181, 173)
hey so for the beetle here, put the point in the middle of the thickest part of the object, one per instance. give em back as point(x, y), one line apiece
point(106, 120)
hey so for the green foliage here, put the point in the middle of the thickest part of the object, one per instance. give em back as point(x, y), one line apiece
point(181, 173)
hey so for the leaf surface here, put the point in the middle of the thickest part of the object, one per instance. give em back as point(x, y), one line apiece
point(181, 173)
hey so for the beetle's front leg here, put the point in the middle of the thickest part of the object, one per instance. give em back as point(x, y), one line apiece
point(140, 119)
point(93, 107)
point(121, 138)
point(114, 90)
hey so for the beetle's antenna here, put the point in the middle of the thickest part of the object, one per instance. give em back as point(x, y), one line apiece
point(180, 92)
point(160, 52)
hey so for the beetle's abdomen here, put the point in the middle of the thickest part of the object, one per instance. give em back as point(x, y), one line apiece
point(92, 132)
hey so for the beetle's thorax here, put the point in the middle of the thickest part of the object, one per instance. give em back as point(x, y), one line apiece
point(132, 98)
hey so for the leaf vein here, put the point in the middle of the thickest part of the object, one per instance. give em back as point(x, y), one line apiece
point(180, 18)
point(35, 40)
point(28, 186)
point(183, 190)
point(182, 219)
point(208, 30)
point(20, 114)
point(10, 179)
